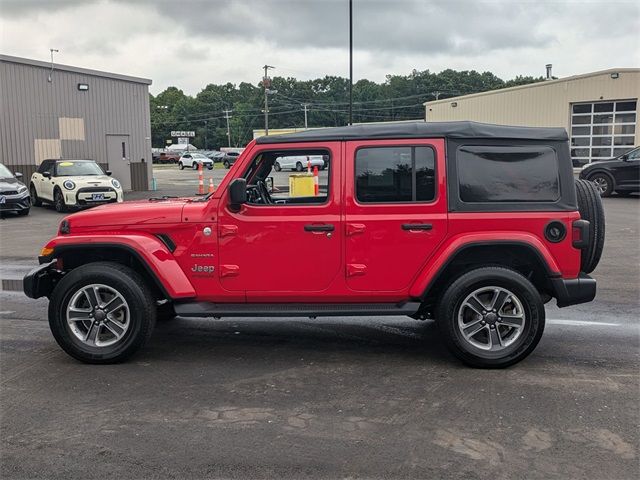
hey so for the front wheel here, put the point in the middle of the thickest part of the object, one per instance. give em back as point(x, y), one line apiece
point(227, 165)
point(603, 183)
point(491, 317)
point(180, 166)
point(277, 167)
point(101, 312)
point(58, 202)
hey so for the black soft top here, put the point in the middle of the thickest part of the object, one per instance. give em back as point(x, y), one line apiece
point(420, 129)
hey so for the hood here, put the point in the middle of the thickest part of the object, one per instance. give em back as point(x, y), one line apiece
point(9, 183)
point(146, 212)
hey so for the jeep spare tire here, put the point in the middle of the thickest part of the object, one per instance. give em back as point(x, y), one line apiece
point(591, 210)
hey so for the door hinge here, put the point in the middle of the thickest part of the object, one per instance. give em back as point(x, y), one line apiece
point(229, 270)
point(355, 269)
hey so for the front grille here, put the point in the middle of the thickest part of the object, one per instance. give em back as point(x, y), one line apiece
point(9, 192)
point(95, 189)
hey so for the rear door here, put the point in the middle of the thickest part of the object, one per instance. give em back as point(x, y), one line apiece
point(396, 211)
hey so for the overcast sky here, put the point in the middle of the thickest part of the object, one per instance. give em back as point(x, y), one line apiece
point(190, 43)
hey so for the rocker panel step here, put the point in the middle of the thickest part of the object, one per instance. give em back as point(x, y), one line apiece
point(206, 309)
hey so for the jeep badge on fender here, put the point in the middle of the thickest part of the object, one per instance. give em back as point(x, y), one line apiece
point(472, 225)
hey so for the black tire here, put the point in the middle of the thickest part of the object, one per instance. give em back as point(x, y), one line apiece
point(210, 167)
point(591, 209)
point(298, 167)
point(180, 166)
point(35, 201)
point(604, 183)
point(194, 165)
point(142, 311)
point(58, 201)
point(227, 165)
point(452, 303)
point(277, 167)
point(165, 312)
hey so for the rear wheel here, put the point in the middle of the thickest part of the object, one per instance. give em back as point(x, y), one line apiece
point(591, 210)
point(101, 313)
point(226, 164)
point(604, 183)
point(298, 166)
point(491, 317)
point(35, 201)
point(58, 202)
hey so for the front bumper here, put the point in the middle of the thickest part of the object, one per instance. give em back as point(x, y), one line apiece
point(40, 281)
point(574, 291)
point(15, 203)
point(83, 197)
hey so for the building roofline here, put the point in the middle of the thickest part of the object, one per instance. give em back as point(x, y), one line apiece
point(532, 85)
point(69, 68)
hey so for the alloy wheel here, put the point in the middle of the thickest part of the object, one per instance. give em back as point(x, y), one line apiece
point(601, 183)
point(491, 318)
point(98, 315)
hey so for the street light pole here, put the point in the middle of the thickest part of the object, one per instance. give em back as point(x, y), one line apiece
point(350, 62)
point(305, 106)
point(226, 114)
point(266, 83)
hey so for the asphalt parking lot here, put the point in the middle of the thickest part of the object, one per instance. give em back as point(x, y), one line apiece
point(333, 398)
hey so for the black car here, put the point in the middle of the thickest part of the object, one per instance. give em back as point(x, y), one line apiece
point(229, 159)
point(14, 195)
point(620, 174)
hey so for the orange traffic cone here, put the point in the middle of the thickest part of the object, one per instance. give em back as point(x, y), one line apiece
point(308, 165)
point(211, 187)
point(200, 180)
point(316, 183)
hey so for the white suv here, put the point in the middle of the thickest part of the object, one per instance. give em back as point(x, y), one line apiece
point(73, 183)
point(299, 162)
point(192, 160)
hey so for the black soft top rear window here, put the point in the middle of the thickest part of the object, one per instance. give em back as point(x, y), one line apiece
point(493, 173)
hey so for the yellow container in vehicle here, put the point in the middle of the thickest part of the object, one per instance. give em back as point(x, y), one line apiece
point(301, 185)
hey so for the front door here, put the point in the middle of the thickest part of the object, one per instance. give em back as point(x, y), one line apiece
point(628, 171)
point(118, 159)
point(396, 212)
point(284, 245)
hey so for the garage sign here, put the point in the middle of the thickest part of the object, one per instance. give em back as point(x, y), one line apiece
point(180, 133)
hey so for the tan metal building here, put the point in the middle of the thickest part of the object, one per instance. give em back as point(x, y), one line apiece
point(60, 111)
point(599, 110)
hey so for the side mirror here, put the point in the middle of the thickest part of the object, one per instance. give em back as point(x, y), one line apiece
point(108, 172)
point(625, 158)
point(237, 193)
point(269, 183)
point(17, 174)
point(46, 174)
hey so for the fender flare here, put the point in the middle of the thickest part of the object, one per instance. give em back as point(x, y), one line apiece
point(150, 251)
point(431, 273)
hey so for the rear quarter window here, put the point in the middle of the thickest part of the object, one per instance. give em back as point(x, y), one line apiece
point(494, 173)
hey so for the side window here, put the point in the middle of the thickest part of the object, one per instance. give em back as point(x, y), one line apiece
point(508, 174)
point(395, 174)
point(290, 177)
point(45, 166)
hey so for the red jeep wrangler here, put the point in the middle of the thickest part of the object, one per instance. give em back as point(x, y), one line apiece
point(473, 225)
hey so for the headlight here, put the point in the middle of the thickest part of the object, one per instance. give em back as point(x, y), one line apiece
point(69, 185)
point(22, 189)
point(115, 183)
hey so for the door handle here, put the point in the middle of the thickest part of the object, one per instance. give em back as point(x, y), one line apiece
point(355, 229)
point(325, 227)
point(417, 226)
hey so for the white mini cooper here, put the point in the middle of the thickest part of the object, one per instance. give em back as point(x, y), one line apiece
point(73, 183)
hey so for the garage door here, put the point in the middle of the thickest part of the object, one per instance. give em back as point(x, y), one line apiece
point(601, 130)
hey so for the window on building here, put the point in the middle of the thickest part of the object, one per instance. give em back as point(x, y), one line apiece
point(395, 174)
point(507, 174)
point(602, 130)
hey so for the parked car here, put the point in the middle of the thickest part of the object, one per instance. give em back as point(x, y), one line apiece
point(193, 160)
point(299, 162)
point(229, 159)
point(14, 195)
point(620, 174)
point(165, 157)
point(215, 155)
point(73, 184)
point(473, 225)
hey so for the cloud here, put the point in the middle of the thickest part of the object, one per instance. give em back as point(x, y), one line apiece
point(192, 43)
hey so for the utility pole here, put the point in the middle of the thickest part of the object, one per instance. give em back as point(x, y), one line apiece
point(305, 106)
point(206, 146)
point(226, 114)
point(50, 77)
point(350, 62)
point(266, 83)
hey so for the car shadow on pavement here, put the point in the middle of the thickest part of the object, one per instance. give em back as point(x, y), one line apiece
point(404, 338)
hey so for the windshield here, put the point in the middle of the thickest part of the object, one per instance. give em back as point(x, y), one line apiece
point(198, 155)
point(5, 172)
point(68, 169)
